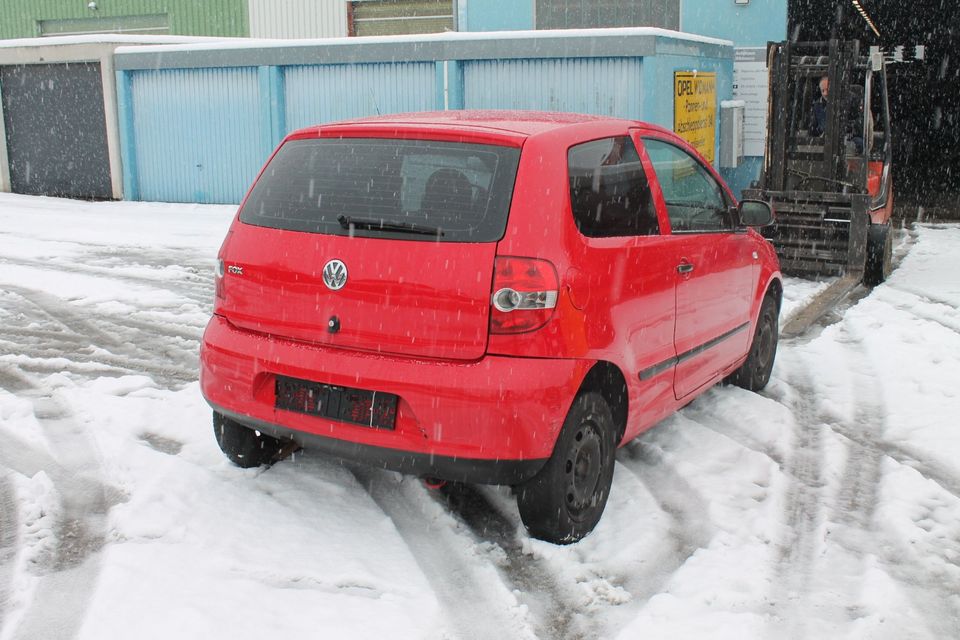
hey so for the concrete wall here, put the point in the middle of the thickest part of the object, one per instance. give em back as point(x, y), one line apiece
point(495, 15)
point(749, 25)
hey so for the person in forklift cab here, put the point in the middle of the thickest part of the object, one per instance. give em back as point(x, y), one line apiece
point(818, 111)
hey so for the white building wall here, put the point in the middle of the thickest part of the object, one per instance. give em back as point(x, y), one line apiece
point(297, 18)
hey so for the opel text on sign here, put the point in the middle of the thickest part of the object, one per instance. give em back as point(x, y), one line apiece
point(695, 110)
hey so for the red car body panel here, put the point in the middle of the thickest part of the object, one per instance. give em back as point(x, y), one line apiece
point(437, 297)
point(416, 315)
point(494, 408)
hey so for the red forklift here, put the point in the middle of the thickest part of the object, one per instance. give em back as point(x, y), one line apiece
point(828, 177)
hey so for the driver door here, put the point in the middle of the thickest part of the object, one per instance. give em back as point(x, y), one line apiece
point(714, 267)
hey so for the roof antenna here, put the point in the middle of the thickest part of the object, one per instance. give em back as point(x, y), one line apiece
point(374, 98)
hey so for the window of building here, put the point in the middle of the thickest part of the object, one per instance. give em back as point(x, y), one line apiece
point(695, 201)
point(609, 193)
point(587, 14)
point(146, 24)
point(395, 17)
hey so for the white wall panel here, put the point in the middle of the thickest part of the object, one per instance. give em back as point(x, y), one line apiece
point(297, 18)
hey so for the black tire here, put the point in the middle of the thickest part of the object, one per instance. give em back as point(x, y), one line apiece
point(879, 255)
point(565, 500)
point(243, 446)
point(754, 373)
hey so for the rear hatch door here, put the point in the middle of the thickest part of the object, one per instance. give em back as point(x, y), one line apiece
point(377, 244)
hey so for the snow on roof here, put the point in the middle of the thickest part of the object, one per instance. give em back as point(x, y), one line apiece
point(106, 38)
point(449, 36)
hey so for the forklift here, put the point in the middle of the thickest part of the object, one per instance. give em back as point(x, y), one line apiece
point(828, 178)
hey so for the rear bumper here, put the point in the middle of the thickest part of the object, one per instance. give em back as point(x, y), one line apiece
point(494, 420)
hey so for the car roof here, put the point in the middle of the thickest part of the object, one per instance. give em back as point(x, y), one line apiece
point(526, 123)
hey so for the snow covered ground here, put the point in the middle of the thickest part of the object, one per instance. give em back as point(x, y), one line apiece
point(826, 507)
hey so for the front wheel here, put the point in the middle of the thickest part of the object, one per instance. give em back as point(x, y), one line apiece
point(754, 373)
point(564, 501)
point(879, 255)
point(243, 446)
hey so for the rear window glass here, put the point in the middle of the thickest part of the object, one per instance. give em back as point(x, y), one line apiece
point(411, 189)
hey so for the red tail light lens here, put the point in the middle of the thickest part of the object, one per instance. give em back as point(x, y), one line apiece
point(524, 294)
point(218, 280)
point(220, 286)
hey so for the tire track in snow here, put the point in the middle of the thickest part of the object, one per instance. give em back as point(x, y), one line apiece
point(9, 525)
point(859, 497)
point(851, 533)
point(563, 609)
point(803, 499)
point(105, 346)
point(58, 605)
point(555, 610)
point(475, 610)
point(690, 528)
point(727, 428)
point(194, 287)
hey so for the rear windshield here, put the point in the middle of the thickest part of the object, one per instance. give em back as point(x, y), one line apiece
point(411, 189)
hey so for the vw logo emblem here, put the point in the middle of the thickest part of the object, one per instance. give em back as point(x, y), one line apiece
point(335, 275)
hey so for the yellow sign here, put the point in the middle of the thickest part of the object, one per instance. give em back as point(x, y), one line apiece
point(695, 110)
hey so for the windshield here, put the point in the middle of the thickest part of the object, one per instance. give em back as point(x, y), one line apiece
point(457, 192)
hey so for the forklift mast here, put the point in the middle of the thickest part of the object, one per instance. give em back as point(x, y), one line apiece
point(827, 186)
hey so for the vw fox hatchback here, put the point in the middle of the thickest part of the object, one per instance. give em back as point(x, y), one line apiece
point(491, 297)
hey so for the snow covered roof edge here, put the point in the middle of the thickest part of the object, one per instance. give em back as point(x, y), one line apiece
point(450, 36)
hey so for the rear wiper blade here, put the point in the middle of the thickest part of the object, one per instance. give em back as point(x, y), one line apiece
point(383, 225)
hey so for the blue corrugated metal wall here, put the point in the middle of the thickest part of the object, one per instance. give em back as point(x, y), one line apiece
point(197, 132)
point(196, 124)
point(601, 86)
point(326, 93)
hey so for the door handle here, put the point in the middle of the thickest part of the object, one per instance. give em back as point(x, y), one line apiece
point(684, 267)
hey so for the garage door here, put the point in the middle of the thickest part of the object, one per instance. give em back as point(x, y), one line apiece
point(56, 133)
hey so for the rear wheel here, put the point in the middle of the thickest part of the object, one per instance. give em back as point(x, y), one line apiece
point(565, 500)
point(243, 446)
point(879, 254)
point(754, 373)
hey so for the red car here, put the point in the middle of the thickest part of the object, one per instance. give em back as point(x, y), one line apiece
point(490, 297)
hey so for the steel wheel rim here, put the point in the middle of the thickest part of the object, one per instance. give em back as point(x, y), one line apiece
point(583, 468)
point(764, 344)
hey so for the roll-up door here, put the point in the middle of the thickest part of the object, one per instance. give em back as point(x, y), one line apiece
point(395, 17)
point(56, 133)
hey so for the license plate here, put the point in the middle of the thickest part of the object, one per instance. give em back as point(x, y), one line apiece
point(357, 406)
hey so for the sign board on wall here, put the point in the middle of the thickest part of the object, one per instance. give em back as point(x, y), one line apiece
point(695, 110)
point(751, 84)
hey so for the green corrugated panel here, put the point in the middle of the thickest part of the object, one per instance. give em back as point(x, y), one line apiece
point(23, 18)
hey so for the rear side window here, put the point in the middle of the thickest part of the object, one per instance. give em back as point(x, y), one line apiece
point(411, 189)
point(609, 193)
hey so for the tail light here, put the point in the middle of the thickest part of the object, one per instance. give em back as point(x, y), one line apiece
point(218, 280)
point(219, 284)
point(524, 294)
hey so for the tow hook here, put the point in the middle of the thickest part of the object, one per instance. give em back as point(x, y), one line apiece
point(434, 483)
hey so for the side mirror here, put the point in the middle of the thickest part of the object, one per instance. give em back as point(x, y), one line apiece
point(755, 213)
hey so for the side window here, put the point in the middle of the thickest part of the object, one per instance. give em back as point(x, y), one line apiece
point(609, 192)
point(694, 200)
